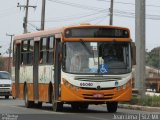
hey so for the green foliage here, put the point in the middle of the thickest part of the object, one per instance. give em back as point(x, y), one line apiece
point(153, 101)
point(153, 57)
point(1, 63)
point(134, 100)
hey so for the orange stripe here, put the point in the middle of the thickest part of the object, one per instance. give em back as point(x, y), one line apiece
point(70, 94)
point(13, 90)
point(43, 92)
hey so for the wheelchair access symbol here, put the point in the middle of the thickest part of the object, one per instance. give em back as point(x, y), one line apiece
point(103, 68)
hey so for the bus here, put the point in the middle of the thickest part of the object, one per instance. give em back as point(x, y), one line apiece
point(67, 66)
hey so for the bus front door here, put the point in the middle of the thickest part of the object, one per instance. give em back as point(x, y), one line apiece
point(57, 105)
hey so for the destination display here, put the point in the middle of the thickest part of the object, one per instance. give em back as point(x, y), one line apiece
point(96, 33)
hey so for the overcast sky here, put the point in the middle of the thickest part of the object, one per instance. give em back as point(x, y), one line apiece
point(72, 12)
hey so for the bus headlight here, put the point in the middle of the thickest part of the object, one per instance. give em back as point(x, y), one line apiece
point(70, 86)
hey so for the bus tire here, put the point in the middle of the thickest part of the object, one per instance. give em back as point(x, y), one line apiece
point(84, 106)
point(28, 104)
point(38, 105)
point(112, 107)
point(50, 92)
point(57, 106)
point(75, 106)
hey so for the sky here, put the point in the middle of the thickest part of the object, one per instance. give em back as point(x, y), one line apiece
point(61, 13)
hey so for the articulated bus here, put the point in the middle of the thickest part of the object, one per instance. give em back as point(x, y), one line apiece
point(76, 65)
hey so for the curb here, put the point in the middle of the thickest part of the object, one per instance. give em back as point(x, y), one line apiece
point(137, 107)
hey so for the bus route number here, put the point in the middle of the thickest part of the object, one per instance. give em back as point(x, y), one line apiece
point(86, 84)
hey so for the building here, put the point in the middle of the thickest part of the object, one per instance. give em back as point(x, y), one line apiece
point(5, 64)
point(152, 78)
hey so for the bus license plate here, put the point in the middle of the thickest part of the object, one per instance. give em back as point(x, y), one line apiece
point(98, 95)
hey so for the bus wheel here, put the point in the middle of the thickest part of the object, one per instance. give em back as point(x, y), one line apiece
point(57, 106)
point(84, 106)
point(38, 105)
point(28, 103)
point(112, 107)
point(75, 106)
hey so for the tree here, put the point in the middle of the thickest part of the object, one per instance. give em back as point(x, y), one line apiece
point(153, 58)
point(1, 63)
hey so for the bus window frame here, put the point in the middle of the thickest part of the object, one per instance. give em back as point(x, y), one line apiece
point(28, 53)
point(47, 50)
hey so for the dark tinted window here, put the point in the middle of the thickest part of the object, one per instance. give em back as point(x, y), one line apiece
point(46, 50)
point(27, 52)
point(96, 33)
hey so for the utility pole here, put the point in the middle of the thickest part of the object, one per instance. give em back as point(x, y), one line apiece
point(10, 50)
point(111, 13)
point(140, 47)
point(43, 14)
point(26, 14)
point(0, 52)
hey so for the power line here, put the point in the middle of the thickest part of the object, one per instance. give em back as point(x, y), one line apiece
point(116, 12)
point(34, 26)
point(101, 20)
point(127, 3)
point(10, 8)
point(26, 14)
point(93, 19)
point(8, 14)
point(71, 17)
point(75, 5)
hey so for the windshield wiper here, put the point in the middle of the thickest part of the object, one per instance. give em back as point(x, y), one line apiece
point(88, 50)
point(86, 47)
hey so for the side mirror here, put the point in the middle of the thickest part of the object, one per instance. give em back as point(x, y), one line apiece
point(133, 53)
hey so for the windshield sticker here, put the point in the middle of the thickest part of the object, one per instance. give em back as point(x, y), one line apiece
point(93, 70)
point(103, 68)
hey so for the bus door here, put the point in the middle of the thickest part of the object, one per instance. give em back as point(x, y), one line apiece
point(57, 68)
point(17, 68)
point(35, 71)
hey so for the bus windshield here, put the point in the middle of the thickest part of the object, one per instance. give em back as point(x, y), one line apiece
point(97, 57)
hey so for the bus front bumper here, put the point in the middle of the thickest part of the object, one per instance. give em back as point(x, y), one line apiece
point(70, 93)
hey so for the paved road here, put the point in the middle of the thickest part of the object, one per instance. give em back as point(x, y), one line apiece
point(15, 110)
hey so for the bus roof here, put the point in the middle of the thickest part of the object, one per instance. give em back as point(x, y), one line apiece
point(52, 31)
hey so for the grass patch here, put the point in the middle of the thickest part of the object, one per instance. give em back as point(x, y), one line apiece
point(153, 101)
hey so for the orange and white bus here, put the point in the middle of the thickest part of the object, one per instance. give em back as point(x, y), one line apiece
point(77, 65)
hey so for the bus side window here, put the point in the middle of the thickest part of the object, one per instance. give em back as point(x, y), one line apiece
point(24, 49)
point(51, 50)
point(27, 52)
point(43, 51)
point(47, 50)
point(30, 52)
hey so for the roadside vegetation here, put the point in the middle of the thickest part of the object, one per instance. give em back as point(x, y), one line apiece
point(153, 101)
point(153, 57)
